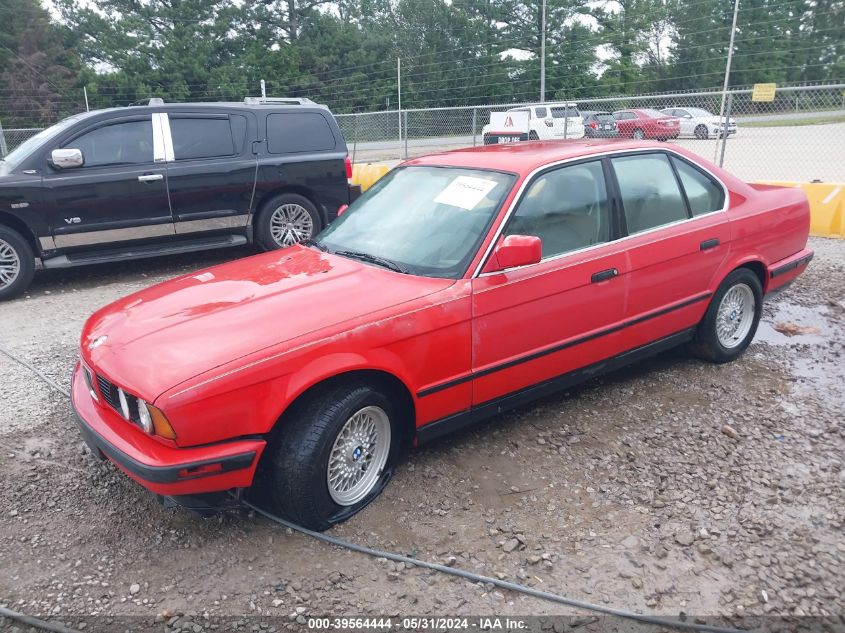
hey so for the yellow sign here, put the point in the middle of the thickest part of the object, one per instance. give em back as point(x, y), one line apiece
point(764, 92)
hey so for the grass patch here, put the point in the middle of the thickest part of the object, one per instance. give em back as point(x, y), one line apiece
point(794, 122)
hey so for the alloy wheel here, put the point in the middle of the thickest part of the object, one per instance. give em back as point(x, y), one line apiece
point(10, 264)
point(358, 456)
point(735, 316)
point(291, 223)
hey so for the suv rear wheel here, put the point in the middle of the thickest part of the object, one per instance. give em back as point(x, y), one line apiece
point(17, 263)
point(285, 220)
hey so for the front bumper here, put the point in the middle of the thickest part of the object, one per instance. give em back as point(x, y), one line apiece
point(161, 469)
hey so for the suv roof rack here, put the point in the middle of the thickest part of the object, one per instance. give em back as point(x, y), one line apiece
point(278, 100)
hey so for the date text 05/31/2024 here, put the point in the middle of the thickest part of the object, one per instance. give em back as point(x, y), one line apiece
point(421, 623)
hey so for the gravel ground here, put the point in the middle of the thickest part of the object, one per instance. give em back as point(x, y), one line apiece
point(625, 492)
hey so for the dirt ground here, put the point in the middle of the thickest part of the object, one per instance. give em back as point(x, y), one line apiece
point(624, 492)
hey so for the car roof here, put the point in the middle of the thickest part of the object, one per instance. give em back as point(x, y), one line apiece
point(524, 158)
point(229, 105)
point(548, 104)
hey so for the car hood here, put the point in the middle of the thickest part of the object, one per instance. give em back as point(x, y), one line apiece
point(160, 337)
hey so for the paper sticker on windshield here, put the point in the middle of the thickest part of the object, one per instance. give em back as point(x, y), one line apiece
point(465, 192)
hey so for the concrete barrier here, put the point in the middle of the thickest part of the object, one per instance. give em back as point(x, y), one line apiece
point(827, 206)
point(365, 174)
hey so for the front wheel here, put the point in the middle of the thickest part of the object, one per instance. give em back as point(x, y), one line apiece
point(638, 134)
point(285, 220)
point(731, 320)
point(331, 456)
point(17, 263)
point(701, 132)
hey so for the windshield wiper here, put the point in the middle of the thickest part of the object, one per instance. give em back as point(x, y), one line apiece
point(374, 259)
point(315, 244)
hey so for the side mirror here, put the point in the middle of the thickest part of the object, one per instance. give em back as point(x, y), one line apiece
point(67, 158)
point(341, 209)
point(514, 251)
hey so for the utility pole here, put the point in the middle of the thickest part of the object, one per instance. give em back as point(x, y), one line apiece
point(543, 55)
point(721, 129)
point(399, 96)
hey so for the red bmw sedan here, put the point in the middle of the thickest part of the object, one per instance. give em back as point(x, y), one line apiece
point(646, 123)
point(460, 285)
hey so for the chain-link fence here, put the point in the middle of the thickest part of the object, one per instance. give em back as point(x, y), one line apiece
point(800, 135)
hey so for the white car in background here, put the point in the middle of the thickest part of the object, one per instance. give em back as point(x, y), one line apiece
point(546, 121)
point(699, 123)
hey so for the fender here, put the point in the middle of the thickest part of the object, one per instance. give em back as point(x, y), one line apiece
point(732, 262)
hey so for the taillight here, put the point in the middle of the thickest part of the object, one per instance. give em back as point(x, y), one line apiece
point(594, 125)
point(348, 162)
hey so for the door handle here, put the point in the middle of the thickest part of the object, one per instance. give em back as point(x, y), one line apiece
point(150, 177)
point(708, 244)
point(603, 275)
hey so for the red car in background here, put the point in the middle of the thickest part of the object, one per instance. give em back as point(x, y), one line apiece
point(459, 285)
point(647, 124)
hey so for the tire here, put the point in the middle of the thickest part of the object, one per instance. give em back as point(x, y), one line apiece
point(17, 263)
point(533, 136)
point(638, 134)
point(285, 220)
point(719, 346)
point(701, 132)
point(294, 479)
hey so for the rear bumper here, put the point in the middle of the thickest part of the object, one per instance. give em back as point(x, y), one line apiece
point(784, 271)
point(161, 469)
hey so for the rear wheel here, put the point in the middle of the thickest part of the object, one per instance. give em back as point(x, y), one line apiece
point(331, 456)
point(17, 263)
point(701, 132)
point(638, 134)
point(533, 136)
point(731, 320)
point(285, 220)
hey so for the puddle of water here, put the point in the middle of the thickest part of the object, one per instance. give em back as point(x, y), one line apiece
point(785, 312)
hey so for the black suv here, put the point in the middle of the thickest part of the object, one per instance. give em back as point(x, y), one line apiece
point(141, 181)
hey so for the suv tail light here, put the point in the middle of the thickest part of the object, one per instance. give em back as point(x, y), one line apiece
point(594, 125)
point(348, 162)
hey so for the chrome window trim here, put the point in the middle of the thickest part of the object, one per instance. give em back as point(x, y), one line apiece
point(158, 139)
point(598, 156)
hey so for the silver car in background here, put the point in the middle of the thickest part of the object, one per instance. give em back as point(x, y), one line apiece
point(700, 123)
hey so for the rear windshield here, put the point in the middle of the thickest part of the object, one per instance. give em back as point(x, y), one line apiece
point(603, 116)
point(292, 132)
point(654, 113)
point(564, 112)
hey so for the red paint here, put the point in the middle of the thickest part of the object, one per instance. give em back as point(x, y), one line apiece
point(225, 351)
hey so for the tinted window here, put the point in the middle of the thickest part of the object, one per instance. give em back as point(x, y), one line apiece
point(541, 113)
point(128, 143)
point(298, 132)
point(566, 208)
point(604, 117)
point(201, 137)
point(561, 113)
point(704, 195)
point(650, 193)
point(238, 131)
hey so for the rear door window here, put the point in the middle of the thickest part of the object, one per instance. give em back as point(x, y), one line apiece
point(650, 193)
point(201, 137)
point(703, 194)
point(292, 132)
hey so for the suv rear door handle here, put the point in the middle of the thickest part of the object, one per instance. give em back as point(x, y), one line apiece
point(150, 177)
point(602, 275)
point(708, 244)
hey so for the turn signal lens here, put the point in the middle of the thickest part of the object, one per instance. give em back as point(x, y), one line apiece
point(160, 423)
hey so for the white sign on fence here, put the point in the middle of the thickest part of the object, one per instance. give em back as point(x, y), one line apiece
point(509, 122)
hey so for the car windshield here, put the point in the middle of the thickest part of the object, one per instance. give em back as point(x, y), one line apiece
point(563, 112)
point(22, 151)
point(426, 221)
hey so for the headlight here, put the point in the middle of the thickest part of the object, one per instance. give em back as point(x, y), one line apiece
point(144, 417)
